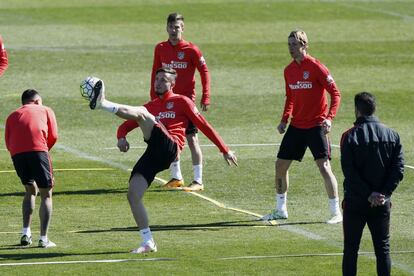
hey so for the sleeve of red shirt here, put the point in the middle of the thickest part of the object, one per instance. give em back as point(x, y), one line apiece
point(287, 111)
point(201, 123)
point(52, 134)
point(204, 75)
point(329, 84)
point(155, 66)
point(4, 62)
point(7, 133)
point(125, 128)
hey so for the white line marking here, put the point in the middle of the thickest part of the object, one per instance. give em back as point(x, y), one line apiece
point(290, 228)
point(220, 259)
point(306, 255)
point(210, 145)
point(239, 145)
point(396, 14)
point(91, 261)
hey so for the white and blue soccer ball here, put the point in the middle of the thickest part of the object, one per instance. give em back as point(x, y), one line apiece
point(86, 87)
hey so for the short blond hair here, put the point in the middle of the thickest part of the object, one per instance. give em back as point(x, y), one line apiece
point(300, 36)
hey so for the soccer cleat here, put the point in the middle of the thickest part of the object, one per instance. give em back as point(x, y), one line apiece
point(173, 184)
point(194, 187)
point(46, 244)
point(98, 95)
point(337, 218)
point(276, 214)
point(25, 240)
point(145, 247)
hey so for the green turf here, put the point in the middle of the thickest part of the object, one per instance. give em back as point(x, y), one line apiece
point(53, 45)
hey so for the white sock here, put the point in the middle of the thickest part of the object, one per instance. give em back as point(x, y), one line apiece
point(44, 238)
point(27, 232)
point(334, 206)
point(176, 170)
point(198, 173)
point(109, 106)
point(281, 200)
point(145, 234)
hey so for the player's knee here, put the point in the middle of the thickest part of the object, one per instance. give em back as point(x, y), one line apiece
point(281, 167)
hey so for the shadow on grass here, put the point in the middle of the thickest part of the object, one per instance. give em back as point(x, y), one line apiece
point(215, 226)
point(46, 255)
point(180, 227)
point(78, 192)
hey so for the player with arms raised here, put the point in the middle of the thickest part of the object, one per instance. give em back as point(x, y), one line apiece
point(163, 122)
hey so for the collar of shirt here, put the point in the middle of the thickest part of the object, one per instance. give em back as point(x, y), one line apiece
point(366, 119)
point(180, 43)
point(167, 95)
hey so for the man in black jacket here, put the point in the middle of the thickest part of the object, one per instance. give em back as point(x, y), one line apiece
point(373, 164)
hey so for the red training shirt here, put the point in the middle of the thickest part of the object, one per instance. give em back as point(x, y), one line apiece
point(31, 127)
point(4, 63)
point(174, 111)
point(306, 102)
point(184, 57)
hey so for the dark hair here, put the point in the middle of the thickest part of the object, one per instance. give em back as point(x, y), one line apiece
point(365, 103)
point(167, 70)
point(173, 17)
point(29, 95)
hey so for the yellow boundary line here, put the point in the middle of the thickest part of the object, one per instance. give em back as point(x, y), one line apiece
point(222, 205)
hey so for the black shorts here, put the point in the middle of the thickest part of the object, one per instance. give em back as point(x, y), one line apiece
point(191, 129)
point(34, 166)
point(296, 140)
point(162, 150)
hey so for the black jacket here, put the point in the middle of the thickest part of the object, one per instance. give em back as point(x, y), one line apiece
point(372, 160)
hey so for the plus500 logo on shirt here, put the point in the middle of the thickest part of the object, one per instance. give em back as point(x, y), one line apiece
point(301, 85)
point(166, 115)
point(175, 65)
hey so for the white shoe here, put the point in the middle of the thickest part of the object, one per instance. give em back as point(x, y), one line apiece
point(46, 244)
point(145, 247)
point(337, 218)
point(276, 214)
point(194, 187)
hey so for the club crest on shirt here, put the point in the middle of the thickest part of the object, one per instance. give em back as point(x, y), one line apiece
point(180, 55)
point(305, 75)
point(169, 105)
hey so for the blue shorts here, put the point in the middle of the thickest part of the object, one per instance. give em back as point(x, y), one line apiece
point(297, 140)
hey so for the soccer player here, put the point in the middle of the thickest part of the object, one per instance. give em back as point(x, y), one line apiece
point(31, 131)
point(163, 122)
point(185, 58)
point(4, 63)
point(307, 80)
point(373, 165)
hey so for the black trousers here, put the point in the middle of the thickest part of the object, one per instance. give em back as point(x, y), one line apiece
point(378, 220)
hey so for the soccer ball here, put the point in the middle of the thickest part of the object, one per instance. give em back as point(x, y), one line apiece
point(86, 87)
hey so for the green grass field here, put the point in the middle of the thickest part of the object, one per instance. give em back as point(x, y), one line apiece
point(53, 45)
